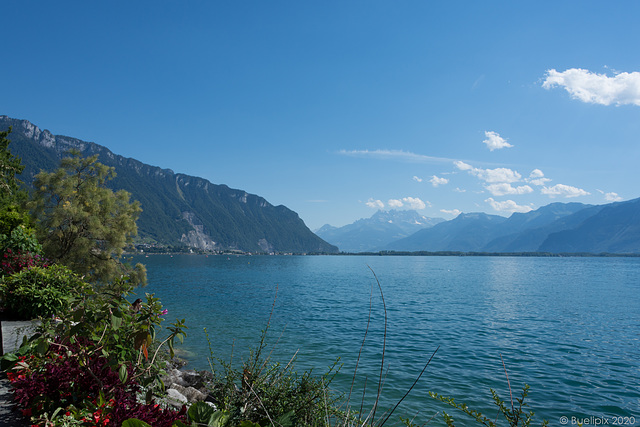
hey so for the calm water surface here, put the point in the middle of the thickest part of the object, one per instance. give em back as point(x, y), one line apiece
point(568, 327)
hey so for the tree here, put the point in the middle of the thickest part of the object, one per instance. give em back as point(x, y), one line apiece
point(83, 224)
point(10, 166)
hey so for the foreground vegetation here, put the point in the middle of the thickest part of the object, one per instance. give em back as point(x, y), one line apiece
point(99, 360)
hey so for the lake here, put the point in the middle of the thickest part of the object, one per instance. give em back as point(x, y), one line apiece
point(568, 327)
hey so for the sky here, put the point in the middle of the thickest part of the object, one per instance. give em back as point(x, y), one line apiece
point(336, 109)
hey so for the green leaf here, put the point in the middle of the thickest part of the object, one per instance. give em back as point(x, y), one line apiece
point(201, 413)
point(218, 419)
point(42, 347)
point(116, 321)
point(123, 374)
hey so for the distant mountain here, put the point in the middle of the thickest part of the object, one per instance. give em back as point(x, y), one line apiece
point(614, 228)
point(555, 228)
point(177, 208)
point(525, 232)
point(467, 232)
point(371, 234)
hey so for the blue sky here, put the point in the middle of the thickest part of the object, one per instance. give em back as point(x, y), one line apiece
point(337, 108)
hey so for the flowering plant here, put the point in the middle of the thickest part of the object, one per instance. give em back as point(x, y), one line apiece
point(14, 261)
point(90, 365)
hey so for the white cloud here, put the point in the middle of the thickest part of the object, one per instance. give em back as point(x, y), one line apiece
point(508, 206)
point(411, 202)
point(454, 212)
point(583, 85)
point(497, 175)
point(536, 177)
point(398, 155)
point(611, 197)
point(564, 191)
point(414, 203)
point(435, 181)
point(462, 165)
point(415, 178)
point(502, 189)
point(376, 204)
point(395, 203)
point(494, 141)
point(490, 175)
point(459, 190)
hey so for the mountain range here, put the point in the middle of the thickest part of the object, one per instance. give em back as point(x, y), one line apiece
point(555, 228)
point(383, 228)
point(178, 209)
point(183, 210)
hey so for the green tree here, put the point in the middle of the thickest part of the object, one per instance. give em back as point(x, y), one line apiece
point(10, 166)
point(83, 224)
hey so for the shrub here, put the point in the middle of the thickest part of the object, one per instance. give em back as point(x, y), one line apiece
point(13, 262)
point(85, 387)
point(262, 391)
point(40, 291)
point(90, 366)
point(20, 239)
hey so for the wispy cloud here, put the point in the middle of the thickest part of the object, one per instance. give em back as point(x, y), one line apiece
point(375, 204)
point(536, 177)
point(610, 197)
point(495, 142)
point(436, 181)
point(395, 203)
point(503, 189)
point(411, 202)
point(563, 190)
point(586, 86)
point(454, 212)
point(395, 155)
point(415, 178)
point(490, 175)
point(508, 206)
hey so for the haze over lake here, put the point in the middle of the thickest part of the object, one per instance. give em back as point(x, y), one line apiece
point(568, 327)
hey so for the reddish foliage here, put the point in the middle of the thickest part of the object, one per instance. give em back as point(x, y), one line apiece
point(62, 382)
point(15, 261)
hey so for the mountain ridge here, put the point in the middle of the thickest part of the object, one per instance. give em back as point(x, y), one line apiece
point(554, 228)
point(383, 227)
point(177, 208)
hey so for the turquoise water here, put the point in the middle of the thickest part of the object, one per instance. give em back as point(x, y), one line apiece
point(568, 327)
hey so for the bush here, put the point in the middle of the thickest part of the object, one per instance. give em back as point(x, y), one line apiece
point(86, 388)
point(40, 291)
point(98, 364)
point(16, 231)
point(13, 262)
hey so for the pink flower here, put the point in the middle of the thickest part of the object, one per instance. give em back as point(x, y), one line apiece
point(163, 312)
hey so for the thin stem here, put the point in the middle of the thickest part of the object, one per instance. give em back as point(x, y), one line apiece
point(508, 383)
point(366, 332)
point(384, 345)
point(412, 386)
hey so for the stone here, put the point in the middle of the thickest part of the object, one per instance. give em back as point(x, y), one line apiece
point(175, 398)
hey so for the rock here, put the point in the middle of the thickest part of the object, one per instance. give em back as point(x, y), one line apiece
point(174, 376)
point(175, 398)
point(192, 394)
point(192, 378)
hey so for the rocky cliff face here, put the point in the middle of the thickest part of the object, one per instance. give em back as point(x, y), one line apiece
point(177, 208)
